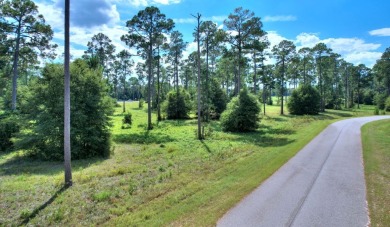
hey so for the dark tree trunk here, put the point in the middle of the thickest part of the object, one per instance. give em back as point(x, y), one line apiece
point(254, 75)
point(150, 86)
point(198, 81)
point(158, 87)
point(207, 82)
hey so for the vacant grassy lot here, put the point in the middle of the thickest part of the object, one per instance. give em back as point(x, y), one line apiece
point(159, 177)
point(376, 155)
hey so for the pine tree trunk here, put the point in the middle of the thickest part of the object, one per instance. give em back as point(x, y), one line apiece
point(150, 86)
point(282, 88)
point(198, 82)
point(158, 88)
point(15, 68)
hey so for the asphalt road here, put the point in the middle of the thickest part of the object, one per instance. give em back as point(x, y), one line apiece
point(323, 185)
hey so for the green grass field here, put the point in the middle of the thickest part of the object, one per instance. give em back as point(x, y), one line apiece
point(160, 177)
point(376, 143)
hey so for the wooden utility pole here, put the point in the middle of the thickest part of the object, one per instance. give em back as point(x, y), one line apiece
point(67, 153)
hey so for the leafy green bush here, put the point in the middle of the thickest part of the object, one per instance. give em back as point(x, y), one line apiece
point(368, 97)
point(90, 110)
point(127, 121)
point(8, 127)
point(304, 100)
point(242, 113)
point(387, 104)
point(218, 98)
point(178, 105)
point(333, 103)
point(141, 103)
point(376, 111)
point(380, 100)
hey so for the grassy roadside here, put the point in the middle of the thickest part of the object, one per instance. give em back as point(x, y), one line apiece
point(161, 177)
point(376, 154)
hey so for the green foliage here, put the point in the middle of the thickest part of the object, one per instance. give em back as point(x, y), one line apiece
point(380, 100)
point(387, 104)
point(334, 103)
point(178, 105)
point(242, 113)
point(304, 100)
point(218, 98)
point(127, 121)
point(8, 127)
point(376, 111)
point(141, 103)
point(90, 110)
point(133, 180)
point(368, 97)
point(102, 196)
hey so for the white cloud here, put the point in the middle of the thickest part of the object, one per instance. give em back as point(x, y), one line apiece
point(274, 38)
point(380, 32)
point(216, 18)
point(307, 40)
point(138, 3)
point(192, 20)
point(184, 20)
point(353, 50)
point(348, 45)
point(191, 47)
point(365, 57)
point(279, 18)
point(166, 2)
point(52, 14)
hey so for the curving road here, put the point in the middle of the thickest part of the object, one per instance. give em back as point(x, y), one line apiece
point(323, 185)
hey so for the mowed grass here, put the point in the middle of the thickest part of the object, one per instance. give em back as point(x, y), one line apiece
point(162, 177)
point(376, 154)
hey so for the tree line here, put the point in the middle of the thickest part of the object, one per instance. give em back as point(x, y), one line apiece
point(228, 61)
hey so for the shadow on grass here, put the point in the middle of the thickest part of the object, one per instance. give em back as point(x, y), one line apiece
point(24, 164)
point(143, 138)
point(262, 139)
point(206, 146)
point(43, 206)
point(339, 114)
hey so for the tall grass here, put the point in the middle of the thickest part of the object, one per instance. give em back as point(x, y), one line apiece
point(160, 177)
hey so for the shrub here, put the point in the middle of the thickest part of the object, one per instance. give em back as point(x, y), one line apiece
point(141, 103)
point(178, 105)
point(242, 113)
point(218, 99)
point(387, 104)
point(376, 111)
point(127, 121)
point(8, 127)
point(90, 110)
point(304, 100)
point(380, 100)
point(368, 97)
point(333, 103)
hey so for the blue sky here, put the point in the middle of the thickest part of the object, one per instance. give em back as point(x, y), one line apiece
point(358, 30)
